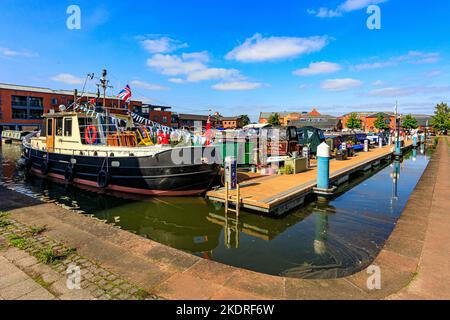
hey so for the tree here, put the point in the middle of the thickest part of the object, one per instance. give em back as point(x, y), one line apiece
point(245, 119)
point(353, 122)
point(380, 122)
point(409, 122)
point(274, 119)
point(441, 119)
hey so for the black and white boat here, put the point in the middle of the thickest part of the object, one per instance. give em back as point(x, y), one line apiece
point(104, 152)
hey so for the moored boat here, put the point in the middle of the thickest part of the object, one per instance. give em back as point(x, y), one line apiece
point(82, 149)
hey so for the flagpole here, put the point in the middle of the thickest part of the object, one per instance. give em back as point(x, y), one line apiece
point(118, 96)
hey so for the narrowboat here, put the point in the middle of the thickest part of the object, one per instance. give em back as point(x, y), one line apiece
point(109, 152)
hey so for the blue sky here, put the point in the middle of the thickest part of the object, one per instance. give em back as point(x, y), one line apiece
point(235, 56)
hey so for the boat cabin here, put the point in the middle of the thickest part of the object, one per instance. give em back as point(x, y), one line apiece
point(81, 133)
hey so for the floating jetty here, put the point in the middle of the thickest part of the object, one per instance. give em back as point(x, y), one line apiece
point(278, 194)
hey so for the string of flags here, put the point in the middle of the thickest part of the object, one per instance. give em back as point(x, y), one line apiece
point(137, 118)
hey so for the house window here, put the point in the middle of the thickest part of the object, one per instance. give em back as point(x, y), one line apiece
point(19, 113)
point(164, 119)
point(19, 101)
point(67, 127)
point(36, 102)
point(54, 101)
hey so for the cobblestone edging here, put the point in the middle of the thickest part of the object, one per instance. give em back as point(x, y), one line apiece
point(23, 246)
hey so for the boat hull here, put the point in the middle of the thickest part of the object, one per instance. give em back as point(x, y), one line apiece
point(154, 175)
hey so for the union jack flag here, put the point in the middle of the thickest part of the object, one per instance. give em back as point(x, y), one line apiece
point(125, 94)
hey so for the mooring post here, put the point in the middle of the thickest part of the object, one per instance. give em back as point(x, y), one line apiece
point(323, 166)
point(422, 138)
point(366, 145)
point(226, 197)
point(380, 142)
point(238, 199)
point(398, 148)
point(415, 137)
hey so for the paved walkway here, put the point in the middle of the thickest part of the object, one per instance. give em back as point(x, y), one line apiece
point(433, 277)
point(25, 276)
point(16, 284)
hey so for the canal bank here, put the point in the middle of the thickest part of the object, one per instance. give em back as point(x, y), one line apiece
point(174, 274)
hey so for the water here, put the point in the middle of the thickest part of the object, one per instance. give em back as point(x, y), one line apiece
point(320, 240)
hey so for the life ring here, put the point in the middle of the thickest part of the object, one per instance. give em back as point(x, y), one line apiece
point(69, 173)
point(160, 138)
point(45, 167)
point(103, 179)
point(90, 135)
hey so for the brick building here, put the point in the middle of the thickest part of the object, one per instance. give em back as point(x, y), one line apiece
point(231, 122)
point(22, 107)
point(367, 120)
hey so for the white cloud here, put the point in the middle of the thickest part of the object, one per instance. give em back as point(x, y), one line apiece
point(412, 57)
point(173, 65)
point(408, 91)
point(192, 66)
point(340, 84)
point(176, 80)
point(162, 45)
point(316, 68)
point(374, 65)
point(212, 73)
point(258, 49)
point(202, 56)
point(378, 83)
point(148, 86)
point(417, 57)
point(433, 73)
point(14, 53)
point(68, 78)
point(347, 6)
point(236, 86)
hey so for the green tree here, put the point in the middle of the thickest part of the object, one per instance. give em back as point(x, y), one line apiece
point(245, 119)
point(380, 122)
point(441, 118)
point(353, 122)
point(274, 119)
point(409, 122)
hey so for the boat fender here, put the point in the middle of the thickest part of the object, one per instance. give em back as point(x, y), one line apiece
point(69, 173)
point(103, 179)
point(45, 167)
point(90, 135)
point(21, 163)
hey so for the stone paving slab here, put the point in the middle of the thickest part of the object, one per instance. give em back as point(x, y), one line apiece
point(24, 277)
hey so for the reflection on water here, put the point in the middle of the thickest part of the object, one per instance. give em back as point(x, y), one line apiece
point(320, 240)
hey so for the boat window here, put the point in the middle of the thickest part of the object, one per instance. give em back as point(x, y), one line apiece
point(44, 128)
point(59, 126)
point(67, 127)
point(49, 127)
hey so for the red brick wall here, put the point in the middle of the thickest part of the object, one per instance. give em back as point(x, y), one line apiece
point(6, 106)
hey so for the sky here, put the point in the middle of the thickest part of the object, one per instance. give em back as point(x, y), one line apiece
point(234, 56)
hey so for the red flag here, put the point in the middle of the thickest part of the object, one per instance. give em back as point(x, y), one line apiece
point(208, 132)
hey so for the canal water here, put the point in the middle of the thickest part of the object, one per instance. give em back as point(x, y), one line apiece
point(319, 240)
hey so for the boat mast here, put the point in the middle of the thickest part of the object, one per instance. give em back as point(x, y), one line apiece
point(105, 85)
